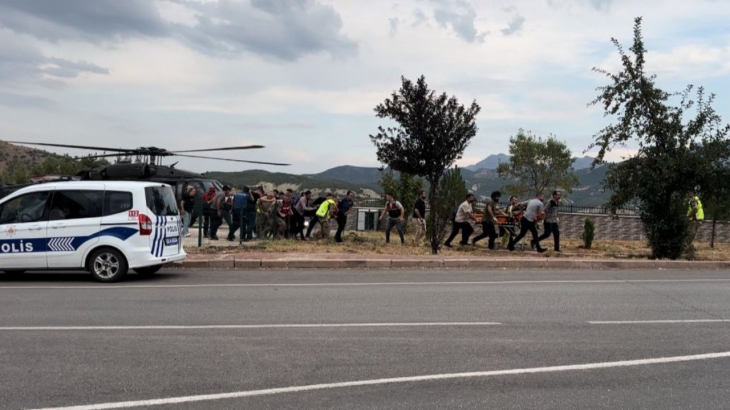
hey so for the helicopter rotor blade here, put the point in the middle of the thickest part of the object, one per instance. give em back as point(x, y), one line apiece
point(120, 154)
point(234, 160)
point(73, 146)
point(221, 149)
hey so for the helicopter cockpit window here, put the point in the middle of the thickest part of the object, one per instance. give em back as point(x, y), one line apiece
point(23, 209)
point(161, 201)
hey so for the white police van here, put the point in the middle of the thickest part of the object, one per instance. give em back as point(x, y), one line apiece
point(105, 227)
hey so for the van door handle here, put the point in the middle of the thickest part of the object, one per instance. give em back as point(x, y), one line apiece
point(34, 228)
point(58, 226)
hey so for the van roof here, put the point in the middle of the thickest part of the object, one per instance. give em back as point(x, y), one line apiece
point(81, 184)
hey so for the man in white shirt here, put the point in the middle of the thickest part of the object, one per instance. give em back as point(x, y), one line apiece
point(533, 214)
point(464, 214)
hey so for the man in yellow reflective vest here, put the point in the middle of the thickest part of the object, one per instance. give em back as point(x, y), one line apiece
point(324, 213)
point(696, 215)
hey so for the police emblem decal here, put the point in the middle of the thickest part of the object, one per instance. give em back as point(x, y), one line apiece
point(10, 231)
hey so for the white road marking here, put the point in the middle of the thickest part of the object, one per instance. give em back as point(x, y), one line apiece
point(413, 379)
point(274, 326)
point(296, 285)
point(649, 322)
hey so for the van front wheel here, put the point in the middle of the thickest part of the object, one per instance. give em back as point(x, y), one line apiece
point(148, 270)
point(108, 265)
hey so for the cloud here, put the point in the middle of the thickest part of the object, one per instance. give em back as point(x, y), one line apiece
point(96, 21)
point(599, 5)
point(393, 26)
point(461, 17)
point(419, 17)
point(284, 29)
point(22, 64)
point(24, 101)
point(514, 26)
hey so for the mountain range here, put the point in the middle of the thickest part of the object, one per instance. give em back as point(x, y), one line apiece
point(481, 178)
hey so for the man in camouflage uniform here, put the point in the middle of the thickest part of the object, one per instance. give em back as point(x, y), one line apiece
point(265, 215)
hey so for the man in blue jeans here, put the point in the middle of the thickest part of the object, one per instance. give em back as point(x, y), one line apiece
point(240, 200)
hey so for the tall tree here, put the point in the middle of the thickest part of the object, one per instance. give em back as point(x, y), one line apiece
point(538, 165)
point(666, 165)
point(432, 132)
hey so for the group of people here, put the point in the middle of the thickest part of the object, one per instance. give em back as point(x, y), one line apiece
point(272, 215)
point(498, 222)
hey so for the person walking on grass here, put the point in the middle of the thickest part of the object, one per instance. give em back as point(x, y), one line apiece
point(208, 198)
point(187, 204)
point(696, 215)
point(551, 221)
point(490, 225)
point(344, 209)
point(240, 202)
point(323, 215)
point(395, 213)
point(419, 218)
point(300, 210)
point(464, 214)
point(221, 212)
point(533, 213)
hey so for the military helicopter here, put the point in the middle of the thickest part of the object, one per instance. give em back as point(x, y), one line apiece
point(144, 164)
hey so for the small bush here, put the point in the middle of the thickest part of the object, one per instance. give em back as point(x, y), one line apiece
point(589, 231)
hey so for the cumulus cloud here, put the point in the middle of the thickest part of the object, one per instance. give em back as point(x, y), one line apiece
point(23, 64)
point(514, 26)
point(24, 101)
point(393, 26)
point(461, 17)
point(285, 29)
point(599, 5)
point(97, 21)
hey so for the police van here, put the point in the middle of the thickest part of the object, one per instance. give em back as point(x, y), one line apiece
point(105, 227)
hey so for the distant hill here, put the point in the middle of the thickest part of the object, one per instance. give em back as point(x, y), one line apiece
point(23, 156)
point(358, 175)
point(492, 162)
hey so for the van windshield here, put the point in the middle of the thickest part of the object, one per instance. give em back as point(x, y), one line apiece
point(161, 201)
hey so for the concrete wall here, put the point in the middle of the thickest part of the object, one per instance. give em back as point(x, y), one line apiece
point(607, 227)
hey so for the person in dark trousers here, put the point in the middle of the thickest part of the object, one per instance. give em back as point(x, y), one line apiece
point(551, 220)
point(395, 212)
point(208, 209)
point(344, 208)
point(464, 214)
point(249, 222)
point(533, 212)
point(240, 202)
point(489, 221)
point(187, 204)
point(221, 212)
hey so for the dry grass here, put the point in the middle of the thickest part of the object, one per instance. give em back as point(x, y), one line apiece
point(373, 243)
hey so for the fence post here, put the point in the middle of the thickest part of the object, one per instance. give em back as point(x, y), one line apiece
point(200, 229)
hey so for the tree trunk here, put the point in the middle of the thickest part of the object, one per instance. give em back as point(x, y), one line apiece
point(432, 201)
point(712, 238)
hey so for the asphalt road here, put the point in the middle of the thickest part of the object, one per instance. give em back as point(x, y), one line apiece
point(371, 340)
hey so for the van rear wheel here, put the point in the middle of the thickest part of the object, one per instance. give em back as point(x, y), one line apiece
point(148, 270)
point(108, 265)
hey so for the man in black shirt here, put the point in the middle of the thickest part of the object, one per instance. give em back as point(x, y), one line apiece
point(419, 218)
point(188, 202)
point(344, 208)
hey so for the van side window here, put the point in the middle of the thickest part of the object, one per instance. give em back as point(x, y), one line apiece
point(76, 205)
point(117, 202)
point(26, 208)
point(161, 201)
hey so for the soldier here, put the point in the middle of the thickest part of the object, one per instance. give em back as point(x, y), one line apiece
point(264, 214)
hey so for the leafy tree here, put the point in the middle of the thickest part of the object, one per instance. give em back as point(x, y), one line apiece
point(405, 188)
point(538, 165)
point(668, 159)
point(713, 159)
point(432, 132)
point(451, 192)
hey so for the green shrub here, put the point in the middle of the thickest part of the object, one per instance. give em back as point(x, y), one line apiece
point(589, 231)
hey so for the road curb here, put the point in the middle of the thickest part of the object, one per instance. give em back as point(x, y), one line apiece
point(478, 264)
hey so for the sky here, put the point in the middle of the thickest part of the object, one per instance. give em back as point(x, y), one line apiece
point(302, 76)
